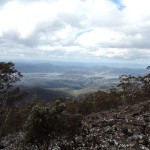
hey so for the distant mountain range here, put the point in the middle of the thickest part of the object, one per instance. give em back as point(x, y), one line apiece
point(74, 69)
point(38, 68)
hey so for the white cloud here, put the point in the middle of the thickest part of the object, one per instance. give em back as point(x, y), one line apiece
point(100, 36)
point(75, 29)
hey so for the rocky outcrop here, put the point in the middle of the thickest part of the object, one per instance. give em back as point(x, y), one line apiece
point(124, 128)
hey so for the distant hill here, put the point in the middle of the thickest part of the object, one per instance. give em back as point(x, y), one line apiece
point(29, 67)
point(37, 68)
point(45, 94)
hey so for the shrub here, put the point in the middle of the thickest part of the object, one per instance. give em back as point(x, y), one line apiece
point(47, 123)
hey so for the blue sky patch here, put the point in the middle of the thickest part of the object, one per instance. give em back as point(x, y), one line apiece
point(119, 4)
point(82, 32)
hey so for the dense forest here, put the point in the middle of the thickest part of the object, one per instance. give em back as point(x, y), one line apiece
point(74, 124)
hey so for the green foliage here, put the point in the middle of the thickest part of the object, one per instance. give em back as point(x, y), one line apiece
point(145, 87)
point(134, 89)
point(46, 123)
point(130, 86)
point(12, 119)
point(8, 98)
point(8, 76)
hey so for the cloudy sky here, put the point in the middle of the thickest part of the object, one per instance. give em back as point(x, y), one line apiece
point(77, 30)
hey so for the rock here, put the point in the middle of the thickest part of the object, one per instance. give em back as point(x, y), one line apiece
point(147, 129)
point(136, 113)
point(127, 130)
point(143, 147)
point(120, 116)
point(139, 123)
point(108, 129)
point(141, 141)
point(2, 146)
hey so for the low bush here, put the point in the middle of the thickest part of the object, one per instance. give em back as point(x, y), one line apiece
point(46, 123)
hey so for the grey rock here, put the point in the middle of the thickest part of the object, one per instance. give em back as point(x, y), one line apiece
point(147, 129)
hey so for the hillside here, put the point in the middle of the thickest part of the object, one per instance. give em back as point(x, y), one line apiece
point(45, 94)
point(124, 128)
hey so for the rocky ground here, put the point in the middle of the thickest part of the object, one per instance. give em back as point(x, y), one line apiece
point(124, 128)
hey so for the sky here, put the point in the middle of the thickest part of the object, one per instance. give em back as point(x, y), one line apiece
point(75, 30)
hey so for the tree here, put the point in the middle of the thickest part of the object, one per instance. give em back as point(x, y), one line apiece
point(8, 95)
point(8, 76)
point(130, 87)
point(134, 88)
point(146, 85)
point(148, 67)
